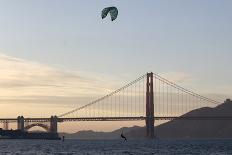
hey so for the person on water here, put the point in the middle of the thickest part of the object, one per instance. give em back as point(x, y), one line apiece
point(63, 138)
point(122, 136)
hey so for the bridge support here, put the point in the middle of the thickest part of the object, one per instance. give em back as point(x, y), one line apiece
point(53, 124)
point(6, 125)
point(149, 106)
point(20, 123)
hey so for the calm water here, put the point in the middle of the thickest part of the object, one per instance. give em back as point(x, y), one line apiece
point(178, 147)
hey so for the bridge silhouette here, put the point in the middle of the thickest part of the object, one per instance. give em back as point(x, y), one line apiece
point(149, 98)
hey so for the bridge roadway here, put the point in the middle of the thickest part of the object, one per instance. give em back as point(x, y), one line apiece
point(12, 120)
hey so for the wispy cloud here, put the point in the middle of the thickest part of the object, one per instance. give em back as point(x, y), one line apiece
point(31, 86)
point(219, 93)
point(178, 77)
point(25, 80)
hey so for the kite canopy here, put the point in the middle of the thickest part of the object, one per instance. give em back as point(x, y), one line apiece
point(113, 12)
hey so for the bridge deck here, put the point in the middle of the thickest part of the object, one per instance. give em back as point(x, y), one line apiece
point(144, 118)
point(2, 120)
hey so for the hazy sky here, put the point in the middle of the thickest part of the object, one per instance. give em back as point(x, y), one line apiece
point(54, 51)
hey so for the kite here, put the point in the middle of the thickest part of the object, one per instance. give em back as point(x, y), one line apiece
point(113, 12)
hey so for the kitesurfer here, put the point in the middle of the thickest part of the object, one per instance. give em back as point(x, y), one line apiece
point(122, 136)
point(63, 138)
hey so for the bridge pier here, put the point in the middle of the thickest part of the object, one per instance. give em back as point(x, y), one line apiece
point(149, 106)
point(5, 125)
point(20, 123)
point(53, 124)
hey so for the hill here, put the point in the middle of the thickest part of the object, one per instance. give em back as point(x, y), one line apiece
point(89, 134)
point(200, 129)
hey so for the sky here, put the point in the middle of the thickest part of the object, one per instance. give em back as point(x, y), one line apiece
point(57, 54)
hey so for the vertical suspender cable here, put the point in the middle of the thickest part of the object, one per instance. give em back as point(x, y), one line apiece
point(135, 99)
point(119, 104)
point(163, 99)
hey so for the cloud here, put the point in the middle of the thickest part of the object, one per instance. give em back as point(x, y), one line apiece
point(194, 84)
point(22, 79)
point(35, 88)
point(178, 77)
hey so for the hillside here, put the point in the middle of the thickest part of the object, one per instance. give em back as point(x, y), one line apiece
point(200, 129)
point(89, 134)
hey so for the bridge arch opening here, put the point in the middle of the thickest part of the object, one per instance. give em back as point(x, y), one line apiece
point(37, 126)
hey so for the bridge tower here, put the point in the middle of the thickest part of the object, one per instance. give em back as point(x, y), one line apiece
point(20, 123)
point(149, 106)
point(53, 124)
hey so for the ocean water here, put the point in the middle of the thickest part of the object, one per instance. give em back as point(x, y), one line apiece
point(114, 147)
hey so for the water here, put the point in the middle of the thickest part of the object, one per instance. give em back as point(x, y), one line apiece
point(132, 147)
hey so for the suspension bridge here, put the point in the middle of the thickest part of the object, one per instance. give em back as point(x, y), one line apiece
point(149, 98)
